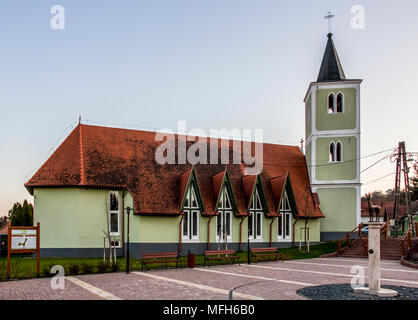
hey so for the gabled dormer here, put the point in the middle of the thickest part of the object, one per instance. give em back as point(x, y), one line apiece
point(222, 188)
point(191, 205)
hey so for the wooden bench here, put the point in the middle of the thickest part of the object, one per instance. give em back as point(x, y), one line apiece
point(165, 257)
point(220, 255)
point(265, 252)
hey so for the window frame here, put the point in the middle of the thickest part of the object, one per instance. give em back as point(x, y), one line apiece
point(254, 213)
point(286, 211)
point(223, 210)
point(331, 110)
point(334, 109)
point(117, 212)
point(342, 102)
point(334, 155)
point(188, 211)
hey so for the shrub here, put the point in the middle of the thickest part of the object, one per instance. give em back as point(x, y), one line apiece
point(3, 270)
point(103, 267)
point(86, 268)
point(115, 267)
point(73, 269)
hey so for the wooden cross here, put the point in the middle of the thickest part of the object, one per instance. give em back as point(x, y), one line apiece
point(301, 143)
point(328, 17)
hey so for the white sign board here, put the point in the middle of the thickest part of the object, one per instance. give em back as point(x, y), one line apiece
point(23, 239)
point(23, 232)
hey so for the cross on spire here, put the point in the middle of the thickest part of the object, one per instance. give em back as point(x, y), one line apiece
point(328, 17)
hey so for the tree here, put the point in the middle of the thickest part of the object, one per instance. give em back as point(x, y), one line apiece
point(3, 221)
point(21, 215)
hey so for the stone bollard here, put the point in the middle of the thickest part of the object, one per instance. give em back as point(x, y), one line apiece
point(374, 265)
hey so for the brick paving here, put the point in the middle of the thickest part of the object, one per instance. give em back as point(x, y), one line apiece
point(40, 289)
point(267, 280)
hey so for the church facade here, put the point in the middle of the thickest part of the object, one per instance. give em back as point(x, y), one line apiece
point(85, 188)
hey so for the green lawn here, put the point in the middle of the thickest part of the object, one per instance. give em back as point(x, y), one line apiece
point(25, 267)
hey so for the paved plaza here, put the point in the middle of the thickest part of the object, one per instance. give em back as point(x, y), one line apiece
point(265, 280)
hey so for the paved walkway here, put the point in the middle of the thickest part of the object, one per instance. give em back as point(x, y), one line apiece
point(266, 280)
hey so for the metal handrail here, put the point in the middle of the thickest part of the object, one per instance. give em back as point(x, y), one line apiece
point(408, 239)
point(347, 238)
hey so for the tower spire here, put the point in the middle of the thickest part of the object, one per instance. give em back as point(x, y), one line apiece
point(331, 68)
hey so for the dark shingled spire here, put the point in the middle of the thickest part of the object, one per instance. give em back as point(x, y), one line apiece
point(331, 68)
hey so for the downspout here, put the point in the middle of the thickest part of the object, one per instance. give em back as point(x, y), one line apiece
point(240, 233)
point(210, 218)
point(271, 226)
point(293, 233)
point(123, 223)
point(180, 233)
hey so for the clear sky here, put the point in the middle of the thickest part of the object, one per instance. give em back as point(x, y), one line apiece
point(215, 63)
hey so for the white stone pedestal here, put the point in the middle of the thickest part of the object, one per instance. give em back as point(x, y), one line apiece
point(374, 264)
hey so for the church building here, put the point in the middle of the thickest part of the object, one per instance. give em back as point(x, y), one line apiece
point(87, 185)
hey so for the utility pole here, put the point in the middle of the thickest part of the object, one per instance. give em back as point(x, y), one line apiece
point(402, 165)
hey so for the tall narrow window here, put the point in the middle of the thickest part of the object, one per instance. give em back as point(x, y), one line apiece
point(255, 220)
point(224, 219)
point(340, 103)
point(331, 103)
point(284, 222)
point(191, 211)
point(332, 152)
point(114, 213)
point(339, 152)
point(308, 112)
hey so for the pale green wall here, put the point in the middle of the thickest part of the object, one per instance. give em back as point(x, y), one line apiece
point(314, 230)
point(347, 170)
point(339, 205)
point(70, 217)
point(308, 117)
point(336, 121)
point(308, 155)
point(76, 218)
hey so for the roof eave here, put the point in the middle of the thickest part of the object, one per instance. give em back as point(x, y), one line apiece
point(316, 83)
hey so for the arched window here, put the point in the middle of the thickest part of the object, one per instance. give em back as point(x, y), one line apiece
point(340, 103)
point(285, 219)
point(255, 220)
point(339, 152)
point(224, 219)
point(332, 152)
point(191, 216)
point(331, 103)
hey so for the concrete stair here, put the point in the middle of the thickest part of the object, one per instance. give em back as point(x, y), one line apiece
point(390, 249)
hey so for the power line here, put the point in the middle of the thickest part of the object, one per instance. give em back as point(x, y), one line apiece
point(377, 162)
point(334, 163)
point(379, 179)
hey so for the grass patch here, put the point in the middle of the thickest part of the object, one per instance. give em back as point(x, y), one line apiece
point(24, 267)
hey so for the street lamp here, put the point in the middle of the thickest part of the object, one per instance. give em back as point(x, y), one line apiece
point(128, 210)
point(248, 240)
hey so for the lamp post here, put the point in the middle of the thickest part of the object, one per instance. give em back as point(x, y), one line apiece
point(248, 240)
point(128, 210)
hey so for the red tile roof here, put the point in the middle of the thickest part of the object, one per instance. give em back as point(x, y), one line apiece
point(248, 183)
point(4, 229)
point(113, 158)
point(385, 204)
